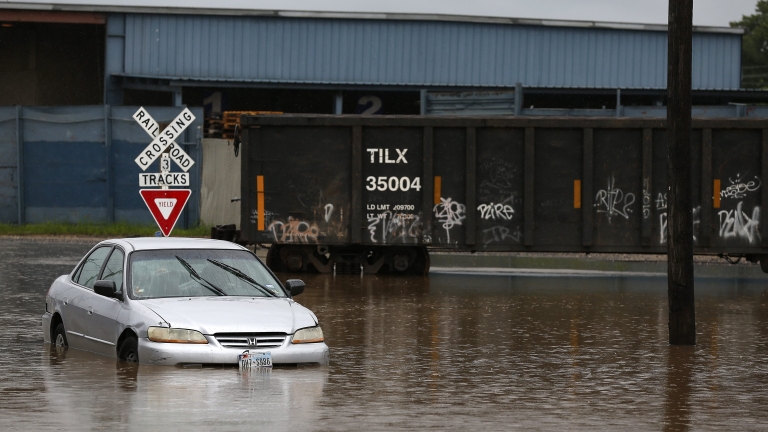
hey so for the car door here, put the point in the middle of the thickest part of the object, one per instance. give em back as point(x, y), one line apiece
point(74, 312)
point(101, 328)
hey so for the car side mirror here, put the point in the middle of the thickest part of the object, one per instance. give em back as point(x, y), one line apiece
point(107, 288)
point(295, 286)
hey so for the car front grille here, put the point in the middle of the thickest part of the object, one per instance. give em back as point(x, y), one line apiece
point(251, 340)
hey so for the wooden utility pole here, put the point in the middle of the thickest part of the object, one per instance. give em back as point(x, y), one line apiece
point(682, 318)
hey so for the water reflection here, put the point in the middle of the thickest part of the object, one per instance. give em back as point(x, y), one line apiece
point(677, 409)
point(448, 351)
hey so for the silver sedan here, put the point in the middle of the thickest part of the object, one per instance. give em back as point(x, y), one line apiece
point(172, 301)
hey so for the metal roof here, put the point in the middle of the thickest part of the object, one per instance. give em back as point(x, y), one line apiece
point(238, 10)
point(332, 51)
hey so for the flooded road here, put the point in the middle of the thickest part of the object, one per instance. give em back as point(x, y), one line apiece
point(448, 352)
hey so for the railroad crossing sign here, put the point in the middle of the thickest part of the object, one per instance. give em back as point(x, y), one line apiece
point(164, 204)
point(165, 139)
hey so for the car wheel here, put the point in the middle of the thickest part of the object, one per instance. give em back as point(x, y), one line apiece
point(129, 350)
point(59, 337)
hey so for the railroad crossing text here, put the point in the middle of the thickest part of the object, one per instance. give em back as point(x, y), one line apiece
point(163, 179)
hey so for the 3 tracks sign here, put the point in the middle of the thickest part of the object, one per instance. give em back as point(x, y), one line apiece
point(165, 204)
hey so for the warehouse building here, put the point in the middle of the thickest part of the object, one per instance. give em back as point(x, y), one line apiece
point(346, 62)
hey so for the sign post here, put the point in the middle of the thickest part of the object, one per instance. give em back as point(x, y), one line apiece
point(164, 204)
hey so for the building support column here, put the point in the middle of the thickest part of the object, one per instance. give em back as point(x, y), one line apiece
point(338, 103)
point(177, 96)
point(114, 59)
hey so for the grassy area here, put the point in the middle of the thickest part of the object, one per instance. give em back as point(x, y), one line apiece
point(117, 229)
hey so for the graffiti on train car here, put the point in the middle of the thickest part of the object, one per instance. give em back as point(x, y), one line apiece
point(498, 196)
point(389, 227)
point(496, 211)
point(501, 174)
point(740, 186)
point(613, 201)
point(743, 221)
point(500, 233)
point(646, 198)
point(738, 224)
point(449, 214)
point(293, 231)
point(664, 230)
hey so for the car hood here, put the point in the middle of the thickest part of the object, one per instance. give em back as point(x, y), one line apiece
point(211, 315)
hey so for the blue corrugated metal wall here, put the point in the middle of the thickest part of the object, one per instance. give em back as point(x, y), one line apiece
point(9, 174)
point(78, 164)
point(414, 53)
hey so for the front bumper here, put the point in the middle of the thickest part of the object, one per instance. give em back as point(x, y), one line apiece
point(170, 354)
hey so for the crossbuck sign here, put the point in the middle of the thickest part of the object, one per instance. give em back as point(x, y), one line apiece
point(164, 204)
point(164, 140)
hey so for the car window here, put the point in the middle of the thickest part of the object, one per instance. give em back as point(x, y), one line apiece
point(163, 273)
point(92, 266)
point(113, 270)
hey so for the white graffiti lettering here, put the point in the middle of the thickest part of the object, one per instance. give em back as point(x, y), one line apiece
point(613, 202)
point(395, 227)
point(663, 229)
point(496, 211)
point(449, 213)
point(739, 189)
point(736, 224)
point(293, 231)
point(646, 198)
point(328, 212)
point(661, 201)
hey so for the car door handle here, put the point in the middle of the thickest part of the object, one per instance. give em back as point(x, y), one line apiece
point(90, 310)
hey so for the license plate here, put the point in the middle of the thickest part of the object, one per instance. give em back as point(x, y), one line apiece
point(254, 360)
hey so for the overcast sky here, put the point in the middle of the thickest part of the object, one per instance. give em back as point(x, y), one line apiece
point(705, 12)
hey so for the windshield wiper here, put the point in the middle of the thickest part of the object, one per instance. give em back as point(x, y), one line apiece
point(197, 278)
point(242, 276)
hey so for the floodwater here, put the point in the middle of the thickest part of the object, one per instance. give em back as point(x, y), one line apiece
point(444, 352)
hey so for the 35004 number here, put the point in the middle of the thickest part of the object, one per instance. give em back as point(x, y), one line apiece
point(393, 184)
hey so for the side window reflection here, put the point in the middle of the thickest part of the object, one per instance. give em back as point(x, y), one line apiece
point(114, 269)
point(92, 265)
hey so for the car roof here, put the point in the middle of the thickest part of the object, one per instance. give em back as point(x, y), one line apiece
point(160, 243)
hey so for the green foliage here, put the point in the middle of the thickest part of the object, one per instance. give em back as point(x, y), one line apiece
point(115, 230)
point(754, 50)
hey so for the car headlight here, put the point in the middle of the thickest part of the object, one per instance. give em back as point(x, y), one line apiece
point(308, 335)
point(174, 335)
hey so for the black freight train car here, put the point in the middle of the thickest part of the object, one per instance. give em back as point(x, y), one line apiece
point(373, 193)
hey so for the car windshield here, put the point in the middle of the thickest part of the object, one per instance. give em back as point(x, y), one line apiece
point(199, 273)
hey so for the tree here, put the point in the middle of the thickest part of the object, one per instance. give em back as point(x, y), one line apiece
point(754, 51)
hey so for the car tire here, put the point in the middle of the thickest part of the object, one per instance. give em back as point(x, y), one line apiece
point(59, 339)
point(129, 350)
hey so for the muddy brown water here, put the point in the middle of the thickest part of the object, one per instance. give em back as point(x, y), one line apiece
point(444, 352)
